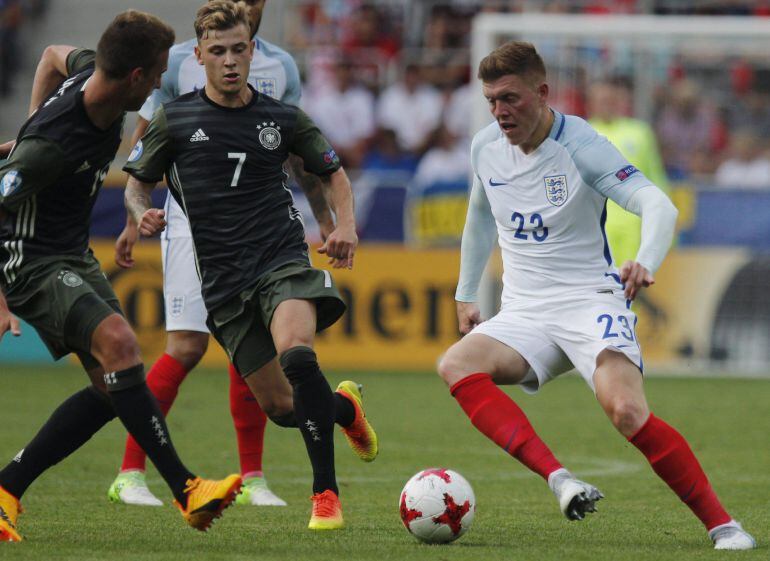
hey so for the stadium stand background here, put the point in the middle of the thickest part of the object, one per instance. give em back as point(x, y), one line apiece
point(388, 83)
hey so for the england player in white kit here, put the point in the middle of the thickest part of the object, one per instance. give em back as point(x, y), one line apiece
point(273, 72)
point(541, 182)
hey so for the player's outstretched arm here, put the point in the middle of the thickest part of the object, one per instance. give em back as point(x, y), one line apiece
point(150, 221)
point(341, 244)
point(51, 70)
point(314, 192)
point(8, 322)
point(658, 224)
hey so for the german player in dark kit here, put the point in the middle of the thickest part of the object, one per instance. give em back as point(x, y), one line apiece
point(49, 277)
point(222, 150)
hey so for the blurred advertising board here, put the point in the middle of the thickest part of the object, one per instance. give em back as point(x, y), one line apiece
point(705, 309)
point(400, 307)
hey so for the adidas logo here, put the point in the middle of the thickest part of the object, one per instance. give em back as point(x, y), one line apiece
point(199, 136)
point(84, 166)
point(5, 517)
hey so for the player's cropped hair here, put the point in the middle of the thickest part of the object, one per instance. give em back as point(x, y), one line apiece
point(515, 57)
point(218, 15)
point(134, 39)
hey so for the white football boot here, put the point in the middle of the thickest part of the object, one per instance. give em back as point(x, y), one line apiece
point(130, 488)
point(731, 536)
point(576, 498)
point(255, 492)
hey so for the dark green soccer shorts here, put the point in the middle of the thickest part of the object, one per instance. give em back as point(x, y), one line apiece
point(242, 324)
point(64, 298)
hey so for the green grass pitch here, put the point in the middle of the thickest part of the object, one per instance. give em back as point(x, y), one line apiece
point(726, 421)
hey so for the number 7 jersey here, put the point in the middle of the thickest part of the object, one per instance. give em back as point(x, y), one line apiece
point(549, 207)
point(224, 167)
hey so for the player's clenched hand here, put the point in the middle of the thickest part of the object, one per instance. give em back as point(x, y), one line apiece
point(468, 316)
point(634, 276)
point(153, 221)
point(8, 322)
point(340, 246)
point(125, 245)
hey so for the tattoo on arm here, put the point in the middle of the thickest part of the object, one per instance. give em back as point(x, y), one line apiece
point(137, 198)
point(311, 186)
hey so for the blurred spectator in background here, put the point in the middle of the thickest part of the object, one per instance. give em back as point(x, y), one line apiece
point(457, 114)
point(746, 106)
point(368, 40)
point(447, 161)
point(747, 165)
point(438, 193)
point(368, 29)
point(688, 130)
point(569, 92)
point(385, 155)
point(609, 106)
point(412, 109)
point(448, 27)
point(10, 21)
point(344, 111)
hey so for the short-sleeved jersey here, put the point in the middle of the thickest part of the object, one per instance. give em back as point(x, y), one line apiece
point(49, 183)
point(550, 207)
point(225, 168)
point(273, 72)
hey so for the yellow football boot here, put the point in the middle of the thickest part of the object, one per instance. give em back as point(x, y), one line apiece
point(10, 508)
point(206, 499)
point(327, 512)
point(360, 434)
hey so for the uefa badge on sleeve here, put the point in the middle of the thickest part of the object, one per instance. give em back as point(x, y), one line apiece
point(136, 153)
point(556, 189)
point(11, 183)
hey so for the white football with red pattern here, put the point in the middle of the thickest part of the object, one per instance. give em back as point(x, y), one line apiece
point(437, 505)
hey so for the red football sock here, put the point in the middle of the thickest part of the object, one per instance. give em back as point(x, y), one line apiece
point(674, 462)
point(502, 421)
point(163, 379)
point(249, 421)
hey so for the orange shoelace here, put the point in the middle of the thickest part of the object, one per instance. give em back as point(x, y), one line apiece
point(325, 504)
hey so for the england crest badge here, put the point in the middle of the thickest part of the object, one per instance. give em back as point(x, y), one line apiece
point(266, 86)
point(556, 189)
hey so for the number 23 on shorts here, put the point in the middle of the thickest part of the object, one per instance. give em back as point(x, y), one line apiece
point(617, 327)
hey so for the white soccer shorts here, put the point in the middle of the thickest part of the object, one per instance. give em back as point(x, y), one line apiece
point(185, 310)
point(555, 336)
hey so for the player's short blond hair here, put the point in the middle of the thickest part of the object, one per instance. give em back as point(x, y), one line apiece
point(217, 15)
point(514, 57)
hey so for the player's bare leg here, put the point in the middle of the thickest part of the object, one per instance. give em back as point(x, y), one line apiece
point(620, 392)
point(472, 368)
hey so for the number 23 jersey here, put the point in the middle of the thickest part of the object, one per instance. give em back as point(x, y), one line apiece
point(549, 207)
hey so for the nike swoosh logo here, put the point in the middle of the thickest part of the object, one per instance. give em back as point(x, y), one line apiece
point(495, 183)
point(688, 493)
